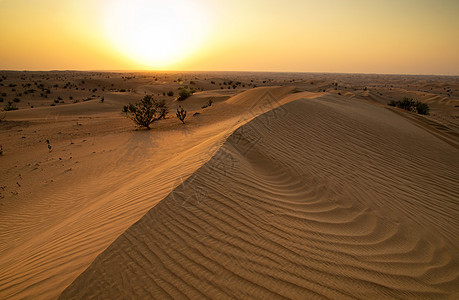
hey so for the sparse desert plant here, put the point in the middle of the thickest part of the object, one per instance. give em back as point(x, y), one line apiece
point(170, 93)
point(10, 106)
point(102, 100)
point(49, 146)
point(146, 111)
point(181, 114)
point(184, 93)
point(422, 108)
point(1, 150)
point(17, 100)
point(208, 104)
point(1, 100)
point(162, 109)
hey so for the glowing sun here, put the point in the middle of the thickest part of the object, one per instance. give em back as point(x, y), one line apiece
point(155, 33)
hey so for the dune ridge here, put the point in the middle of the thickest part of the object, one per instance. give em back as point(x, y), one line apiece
point(116, 175)
point(319, 198)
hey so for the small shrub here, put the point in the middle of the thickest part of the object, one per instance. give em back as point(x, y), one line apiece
point(181, 114)
point(162, 109)
point(56, 101)
point(102, 100)
point(146, 111)
point(208, 104)
point(170, 93)
point(422, 108)
point(183, 94)
point(17, 100)
point(10, 106)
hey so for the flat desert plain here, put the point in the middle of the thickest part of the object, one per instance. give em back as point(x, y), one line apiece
point(289, 185)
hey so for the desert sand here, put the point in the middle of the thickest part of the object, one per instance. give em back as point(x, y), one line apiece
point(289, 186)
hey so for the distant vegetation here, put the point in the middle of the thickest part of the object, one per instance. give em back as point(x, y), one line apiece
point(146, 111)
point(10, 106)
point(184, 93)
point(208, 104)
point(410, 105)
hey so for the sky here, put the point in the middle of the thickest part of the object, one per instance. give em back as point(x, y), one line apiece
point(342, 36)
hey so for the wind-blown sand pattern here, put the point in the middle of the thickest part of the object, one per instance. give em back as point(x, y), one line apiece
point(51, 234)
point(328, 197)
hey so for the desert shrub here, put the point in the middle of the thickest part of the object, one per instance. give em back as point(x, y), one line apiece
point(184, 93)
point(146, 111)
point(422, 108)
point(181, 114)
point(17, 100)
point(1, 100)
point(102, 99)
point(10, 106)
point(208, 104)
point(170, 93)
point(1, 150)
point(410, 105)
point(56, 101)
point(162, 109)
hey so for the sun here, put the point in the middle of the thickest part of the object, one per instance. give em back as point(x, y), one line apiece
point(155, 33)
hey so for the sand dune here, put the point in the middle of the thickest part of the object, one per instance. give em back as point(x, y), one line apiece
point(95, 183)
point(327, 197)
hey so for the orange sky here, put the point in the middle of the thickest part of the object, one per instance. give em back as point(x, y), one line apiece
point(358, 36)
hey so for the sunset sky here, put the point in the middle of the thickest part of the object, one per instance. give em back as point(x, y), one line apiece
point(355, 36)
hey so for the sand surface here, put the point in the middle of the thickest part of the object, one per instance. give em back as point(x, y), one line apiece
point(308, 186)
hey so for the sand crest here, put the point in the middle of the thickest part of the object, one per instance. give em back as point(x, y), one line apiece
point(327, 197)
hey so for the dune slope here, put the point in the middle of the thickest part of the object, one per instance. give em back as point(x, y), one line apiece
point(319, 198)
point(71, 203)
